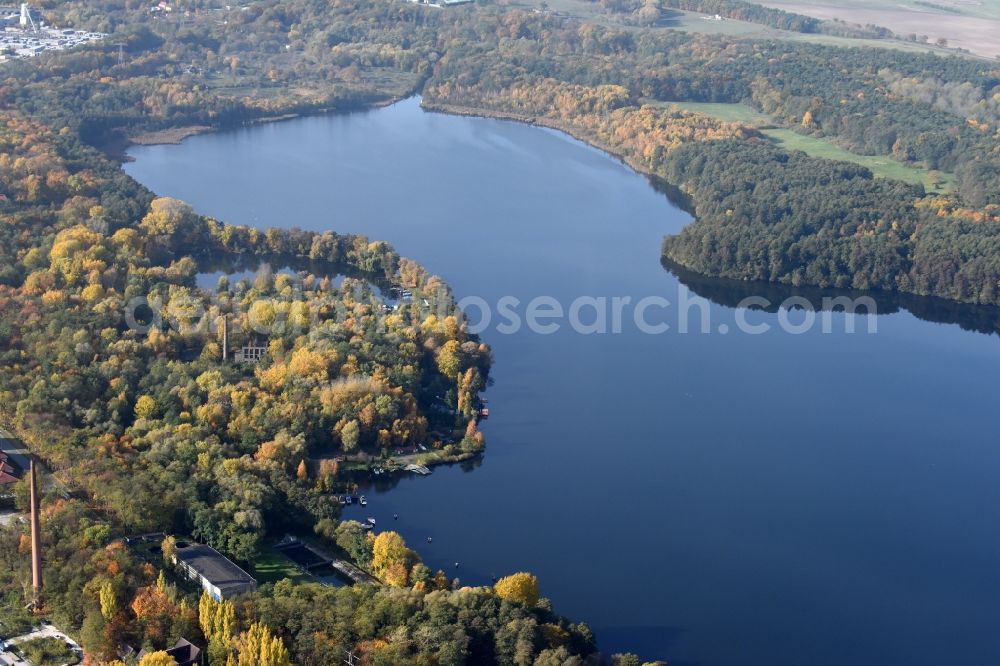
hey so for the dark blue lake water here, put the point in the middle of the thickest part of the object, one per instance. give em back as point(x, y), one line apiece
point(709, 497)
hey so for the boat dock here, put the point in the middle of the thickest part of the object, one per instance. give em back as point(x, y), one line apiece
point(353, 572)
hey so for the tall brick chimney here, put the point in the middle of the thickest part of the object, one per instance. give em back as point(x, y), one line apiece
point(225, 338)
point(36, 540)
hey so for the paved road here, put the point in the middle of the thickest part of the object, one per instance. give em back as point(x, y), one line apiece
point(9, 517)
point(10, 659)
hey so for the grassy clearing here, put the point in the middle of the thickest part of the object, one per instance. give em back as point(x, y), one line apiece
point(733, 113)
point(271, 566)
point(880, 165)
point(694, 22)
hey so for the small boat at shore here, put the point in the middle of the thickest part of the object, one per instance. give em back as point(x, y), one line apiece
point(363, 501)
point(371, 520)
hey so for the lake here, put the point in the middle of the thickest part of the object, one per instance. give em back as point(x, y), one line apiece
point(798, 496)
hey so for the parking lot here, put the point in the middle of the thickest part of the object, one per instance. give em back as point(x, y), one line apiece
point(27, 43)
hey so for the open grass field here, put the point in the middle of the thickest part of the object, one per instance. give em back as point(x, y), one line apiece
point(272, 566)
point(969, 24)
point(816, 147)
point(695, 23)
point(734, 113)
point(879, 165)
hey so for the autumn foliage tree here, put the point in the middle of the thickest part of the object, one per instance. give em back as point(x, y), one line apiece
point(160, 658)
point(258, 646)
point(154, 612)
point(391, 559)
point(520, 587)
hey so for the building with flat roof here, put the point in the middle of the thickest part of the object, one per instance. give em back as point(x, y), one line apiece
point(216, 573)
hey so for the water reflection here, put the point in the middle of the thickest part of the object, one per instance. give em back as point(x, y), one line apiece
point(734, 293)
point(700, 498)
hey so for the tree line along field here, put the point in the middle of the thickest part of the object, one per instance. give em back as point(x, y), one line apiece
point(697, 23)
point(885, 167)
point(970, 24)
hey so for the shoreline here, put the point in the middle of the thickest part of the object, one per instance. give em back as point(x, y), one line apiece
point(170, 136)
point(117, 148)
point(477, 112)
point(675, 194)
point(174, 136)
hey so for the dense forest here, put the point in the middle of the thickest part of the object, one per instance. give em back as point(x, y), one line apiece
point(762, 213)
point(145, 428)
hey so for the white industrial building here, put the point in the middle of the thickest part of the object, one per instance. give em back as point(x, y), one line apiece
point(216, 573)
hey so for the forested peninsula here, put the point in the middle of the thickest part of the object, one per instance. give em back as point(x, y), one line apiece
point(147, 429)
point(763, 213)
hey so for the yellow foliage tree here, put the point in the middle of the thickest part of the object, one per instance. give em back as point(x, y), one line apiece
point(521, 587)
point(448, 360)
point(206, 614)
point(216, 618)
point(391, 559)
point(350, 435)
point(92, 293)
point(160, 658)
point(262, 316)
point(165, 217)
point(145, 407)
point(109, 600)
point(257, 646)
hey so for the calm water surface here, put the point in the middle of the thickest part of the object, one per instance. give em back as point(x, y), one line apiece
point(706, 498)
